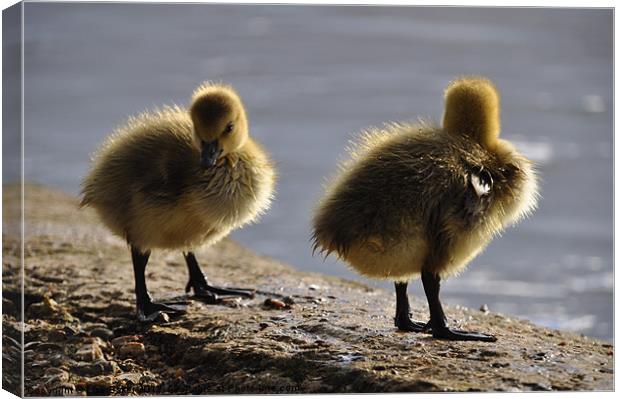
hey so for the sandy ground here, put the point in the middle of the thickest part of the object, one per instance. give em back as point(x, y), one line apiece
point(303, 332)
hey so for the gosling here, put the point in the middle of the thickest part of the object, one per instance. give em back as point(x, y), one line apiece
point(177, 178)
point(425, 200)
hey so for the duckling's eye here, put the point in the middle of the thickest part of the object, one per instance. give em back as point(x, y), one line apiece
point(229, 128)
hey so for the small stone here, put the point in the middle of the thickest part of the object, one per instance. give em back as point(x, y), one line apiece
point(313, 287)
point(274, 304)
point(89, 353)
point(263, 325)
point(134, 378)
point(97, 368)
point(484, 308)
point(132, 349)
point(120, 341)
point(102, 333)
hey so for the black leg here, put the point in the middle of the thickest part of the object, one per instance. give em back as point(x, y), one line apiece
point(431, 282)
point(202, 289)
point(402, 319)
point(147, 309)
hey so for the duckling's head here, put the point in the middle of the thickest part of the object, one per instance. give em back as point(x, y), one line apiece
point(220, 122)
point(472, 109)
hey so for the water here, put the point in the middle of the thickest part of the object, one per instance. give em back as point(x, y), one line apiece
point(312, 76)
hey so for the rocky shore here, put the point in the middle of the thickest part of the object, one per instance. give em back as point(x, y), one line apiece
point(302, 333)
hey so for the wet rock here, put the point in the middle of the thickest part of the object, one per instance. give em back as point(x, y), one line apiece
point(122, 340)
point(96, 368)
point(134, 378)
point(89, 352)
point(132, 349)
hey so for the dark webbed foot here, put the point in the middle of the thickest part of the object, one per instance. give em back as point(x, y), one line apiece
point(460, 335)
point(148, 310)
point(404, 323)
point(437, 322)
point(211, 295)
point(402, 320)
point(206, 292)
point(154, 311)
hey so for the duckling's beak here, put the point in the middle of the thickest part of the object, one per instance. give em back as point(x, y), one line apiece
point(210, 153)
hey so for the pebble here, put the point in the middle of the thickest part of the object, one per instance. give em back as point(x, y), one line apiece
point(89, 353)
point(132, 377)
point(97, 368)
point(274, 304)
point(133, 349)
point(484, 308)
point(102, 333)
point(120, 341)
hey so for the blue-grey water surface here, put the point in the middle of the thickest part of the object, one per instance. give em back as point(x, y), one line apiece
point(311, 76)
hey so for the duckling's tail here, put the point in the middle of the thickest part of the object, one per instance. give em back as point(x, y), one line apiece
point(472, 109)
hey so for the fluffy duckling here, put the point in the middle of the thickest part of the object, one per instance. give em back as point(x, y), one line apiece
point(177, 178)
point(425, 200)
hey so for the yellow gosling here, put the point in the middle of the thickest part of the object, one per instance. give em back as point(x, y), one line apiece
point(425, 200)
point(177, 178)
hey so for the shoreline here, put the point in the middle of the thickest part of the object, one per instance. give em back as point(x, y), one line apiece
point(303, 332)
